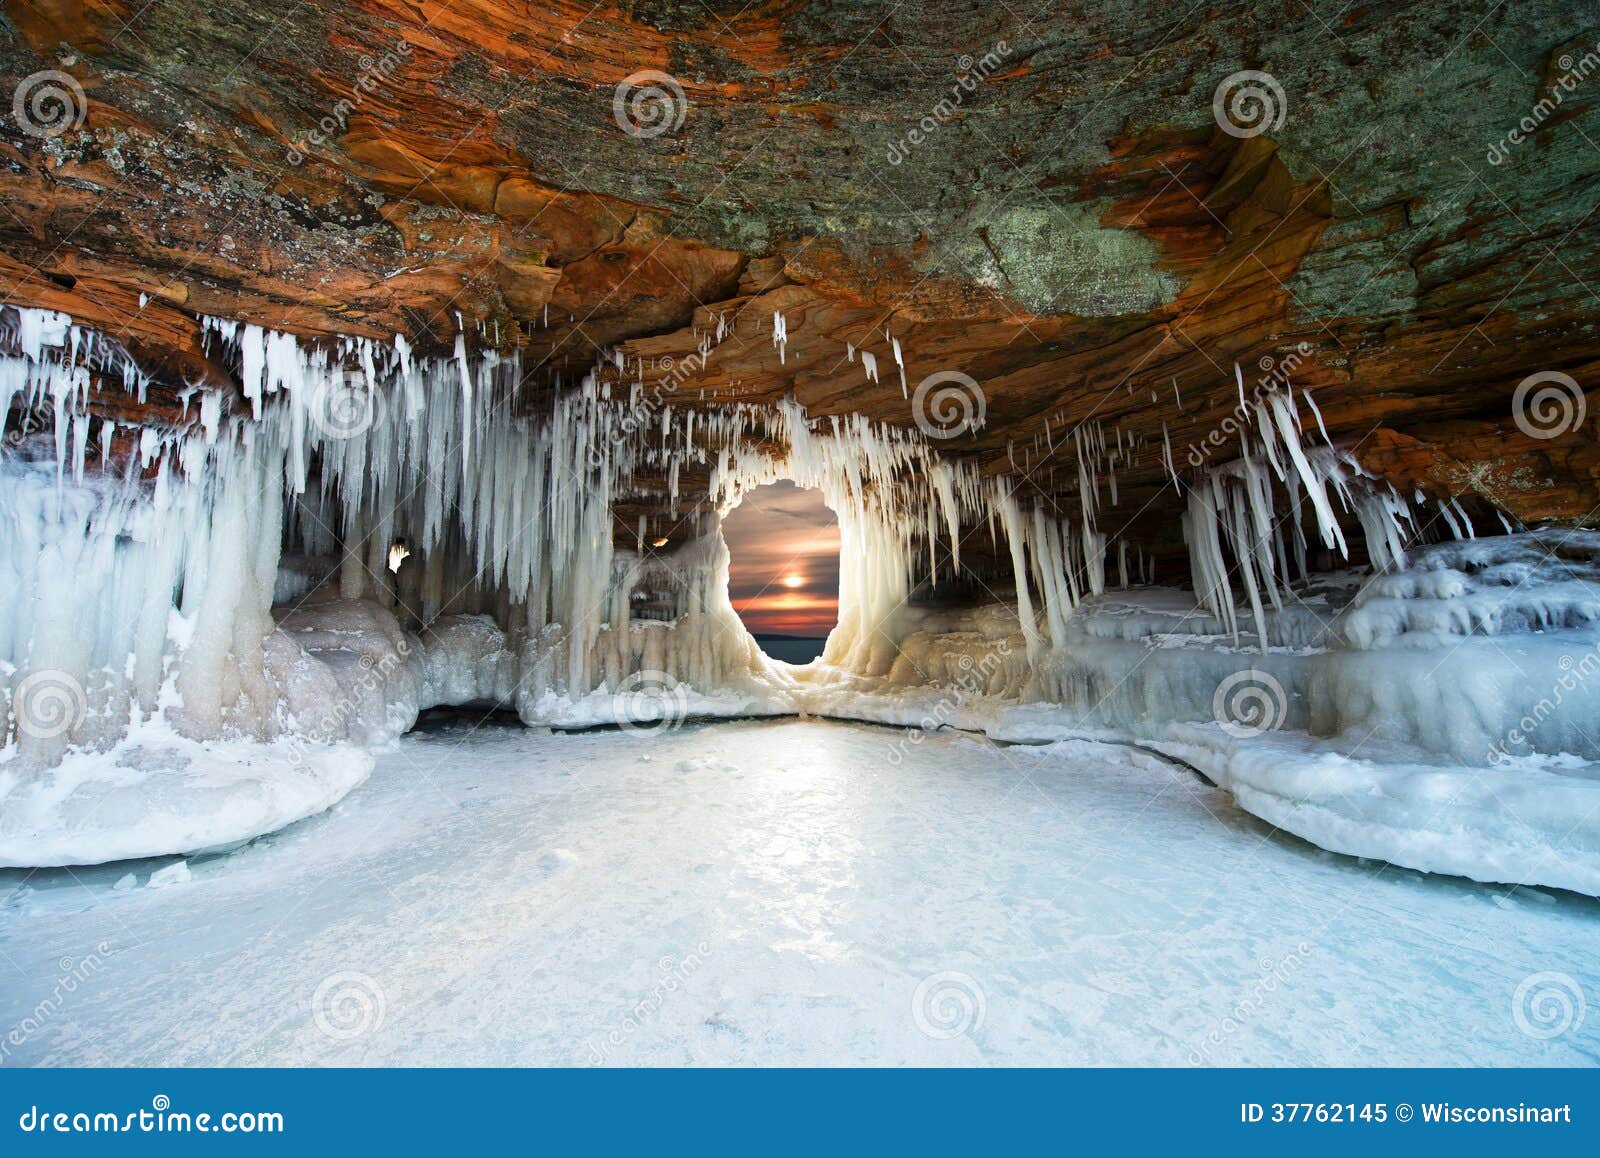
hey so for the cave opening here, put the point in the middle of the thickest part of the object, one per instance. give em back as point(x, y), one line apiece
point(783, 569)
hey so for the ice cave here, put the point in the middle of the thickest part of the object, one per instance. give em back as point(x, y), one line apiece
point(748, 550)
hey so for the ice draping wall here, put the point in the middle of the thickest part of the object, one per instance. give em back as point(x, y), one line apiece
point(145, 562)
point(175, 542)
point(205, 626)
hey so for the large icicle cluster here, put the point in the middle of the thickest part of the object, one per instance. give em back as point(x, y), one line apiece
point(502, 498)
point(1237, 506)
point(96, 559)
point(183, 538)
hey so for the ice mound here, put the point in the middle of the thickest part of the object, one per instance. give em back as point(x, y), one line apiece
point(467, 661)
point(1530, 821)
point(157, 793)
point(1442, 717)
point(1536, 581)
point(344, 678)
point(377, 665)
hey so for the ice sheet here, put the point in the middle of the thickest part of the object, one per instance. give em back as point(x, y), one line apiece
point(786, 892)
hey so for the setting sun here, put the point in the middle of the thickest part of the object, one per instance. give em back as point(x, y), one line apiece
point(783, 561)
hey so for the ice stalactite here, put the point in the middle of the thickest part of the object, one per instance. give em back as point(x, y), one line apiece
point(780, 335)
point(344, 447)
point(506, 510)
point(93, 558)
point(1252, 511)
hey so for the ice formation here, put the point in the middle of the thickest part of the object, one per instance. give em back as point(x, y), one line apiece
point(780, 856)
point(365, 533)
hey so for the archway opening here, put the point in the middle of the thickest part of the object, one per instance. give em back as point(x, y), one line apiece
point(783, 569)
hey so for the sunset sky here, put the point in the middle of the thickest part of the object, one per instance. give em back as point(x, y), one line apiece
point(784, 571)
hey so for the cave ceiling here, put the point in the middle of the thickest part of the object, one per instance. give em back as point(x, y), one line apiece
point(1053, 200)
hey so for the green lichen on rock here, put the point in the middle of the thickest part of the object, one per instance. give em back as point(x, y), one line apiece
point(1057, 259)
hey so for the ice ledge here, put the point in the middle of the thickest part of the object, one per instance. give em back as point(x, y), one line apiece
point(157, 793)
point(1531, 820)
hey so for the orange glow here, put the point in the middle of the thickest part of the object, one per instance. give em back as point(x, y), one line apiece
point(783, 572)
point(789, 613)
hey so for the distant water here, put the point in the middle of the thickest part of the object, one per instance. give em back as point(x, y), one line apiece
point(791, 648)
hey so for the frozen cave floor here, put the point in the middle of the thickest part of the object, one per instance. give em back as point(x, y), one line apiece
point(791, 891)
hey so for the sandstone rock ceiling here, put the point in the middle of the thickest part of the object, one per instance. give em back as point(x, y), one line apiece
point(1073, 230)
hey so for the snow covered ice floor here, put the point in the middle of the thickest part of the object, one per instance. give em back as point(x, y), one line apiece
point(784, 892)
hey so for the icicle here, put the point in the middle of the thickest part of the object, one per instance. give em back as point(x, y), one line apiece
point(466, 403)
point(1450, 521)
point(1312, 402)
point(1166, 456)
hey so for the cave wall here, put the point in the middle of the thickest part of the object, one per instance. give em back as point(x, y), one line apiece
point(1056, 201)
